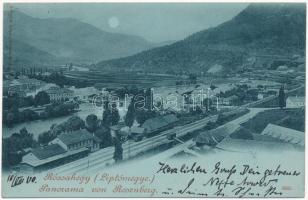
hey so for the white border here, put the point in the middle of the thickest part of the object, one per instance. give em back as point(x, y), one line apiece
point(144, 1)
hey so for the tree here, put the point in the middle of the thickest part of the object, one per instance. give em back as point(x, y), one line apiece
point(41, 98)
point(57, 78)
point(9, 157)
point(57, 129)
point(28, 115)
point(118, 150)
point(74, 123)
point(148, 94)
point(13, 145)
point(115, 117)
point(104, 134)
point(143, 115)
point(92, 123)
point(27, 101)
point(207, 103)
point(111, 116)
point(13, 116)
point(45, 137)
point(213, 87)
point(130, 115)
point(106, 117)
point(192, 78)
point(281, 98)
point(9, 119)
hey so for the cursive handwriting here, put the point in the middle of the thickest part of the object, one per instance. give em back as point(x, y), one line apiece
point(230, 181)
point(15, 180)
point(184, 169)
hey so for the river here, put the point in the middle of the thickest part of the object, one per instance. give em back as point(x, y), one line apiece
point(38, 126)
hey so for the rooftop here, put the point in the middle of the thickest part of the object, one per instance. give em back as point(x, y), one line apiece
point(36, 163)
point(137, 130)
point(240, 145)
point(117, 127)
point(75, 136)
point(296, 98)
point(233, 97)
point(54, 90)
point(48, 151)
point(285, 134)
point(87, 91)
point(214, 136)
point(159, 122)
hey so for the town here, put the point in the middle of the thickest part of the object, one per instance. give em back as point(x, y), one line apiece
point(53, 121)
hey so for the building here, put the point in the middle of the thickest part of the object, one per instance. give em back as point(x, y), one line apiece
point(173, 101)
point(260, 96)
point(59, 94)
point(135, 130)
point(50, 156)
point(21, 85)
point(295, 102)
point(215, 136)
point(85, 94)
point(230, 101)
point(158, 124)
point(16, 91)
point(77, 140)
point(253, 146)
point(287, 135)
point(118, 131)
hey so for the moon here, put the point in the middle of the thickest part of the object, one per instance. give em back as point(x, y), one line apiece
point(113, 22)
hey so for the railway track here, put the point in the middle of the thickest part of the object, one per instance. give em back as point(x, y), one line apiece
point(106, 155)
point(103, 157)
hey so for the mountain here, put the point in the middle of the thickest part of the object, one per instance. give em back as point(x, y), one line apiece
point(70, 39)
point(164, 43)
point(260, 29)
point(22, 54)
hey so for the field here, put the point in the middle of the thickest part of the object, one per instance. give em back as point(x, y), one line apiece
point(116, 80)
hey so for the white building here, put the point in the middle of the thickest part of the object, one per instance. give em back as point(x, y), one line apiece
point(295, 102)
point(59, 94)
point(84, 94)
point(76, 140)
point(22, 85)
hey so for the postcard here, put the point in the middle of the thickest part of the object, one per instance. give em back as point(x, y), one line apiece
point(153, 100)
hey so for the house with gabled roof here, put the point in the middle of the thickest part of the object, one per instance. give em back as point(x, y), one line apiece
point(47, 157)
point(76, 140)
point(158, 124)
point(295, 102)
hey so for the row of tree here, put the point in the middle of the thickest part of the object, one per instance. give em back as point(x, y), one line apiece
point(12, 147)
point(14, 116)
point(16, 101)
point(59, 79)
